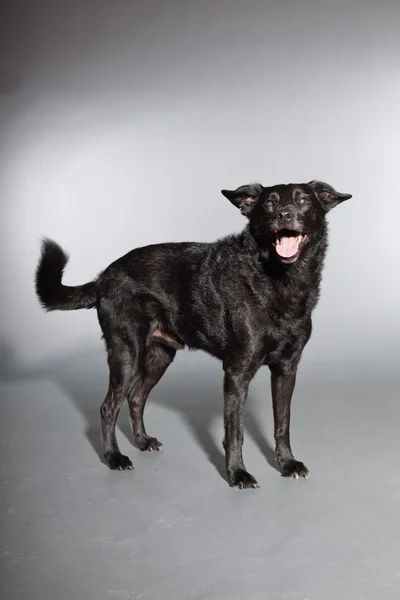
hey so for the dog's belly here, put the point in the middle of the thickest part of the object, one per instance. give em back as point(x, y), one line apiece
point(278, 339)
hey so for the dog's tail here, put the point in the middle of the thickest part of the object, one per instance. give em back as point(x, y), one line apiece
point(52, 294)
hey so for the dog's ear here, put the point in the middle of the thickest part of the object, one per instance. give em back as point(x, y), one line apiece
point(327, 195)
point(244, 197)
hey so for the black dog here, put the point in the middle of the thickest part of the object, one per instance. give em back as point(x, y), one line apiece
point(246, 299)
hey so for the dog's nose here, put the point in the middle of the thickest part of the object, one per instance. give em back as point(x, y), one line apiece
point(286, 215)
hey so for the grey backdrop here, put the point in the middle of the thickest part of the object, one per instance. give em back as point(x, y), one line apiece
point(119, 124)
point(121, 121)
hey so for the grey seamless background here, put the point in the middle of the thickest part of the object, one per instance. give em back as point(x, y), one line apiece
point(119, 124)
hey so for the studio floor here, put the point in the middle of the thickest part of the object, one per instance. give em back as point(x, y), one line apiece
point(172, 529)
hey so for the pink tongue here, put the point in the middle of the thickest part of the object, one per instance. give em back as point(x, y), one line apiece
point(286, 246)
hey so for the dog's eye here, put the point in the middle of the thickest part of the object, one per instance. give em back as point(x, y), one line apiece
point(303, 201)
point(269, 203)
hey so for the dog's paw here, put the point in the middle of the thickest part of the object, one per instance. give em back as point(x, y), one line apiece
point(148, 444)
point(243, 480)
point(294, 468)
point(118, 462)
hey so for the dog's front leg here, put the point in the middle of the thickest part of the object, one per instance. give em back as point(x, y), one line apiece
point(282, 384)
point(236, 385)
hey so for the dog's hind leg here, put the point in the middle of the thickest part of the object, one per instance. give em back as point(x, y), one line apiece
point(126, 363)
point(158, 359)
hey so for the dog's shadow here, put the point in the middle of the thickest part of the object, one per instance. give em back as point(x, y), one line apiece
point(195, 396)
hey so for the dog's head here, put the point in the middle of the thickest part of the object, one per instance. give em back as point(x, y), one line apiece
point(287, 218)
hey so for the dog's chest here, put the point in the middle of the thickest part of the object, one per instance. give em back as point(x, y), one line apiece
point(286, 320)
point(289, 300)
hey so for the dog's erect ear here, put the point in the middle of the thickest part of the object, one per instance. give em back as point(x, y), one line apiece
point(327, 195)
point(245, 197)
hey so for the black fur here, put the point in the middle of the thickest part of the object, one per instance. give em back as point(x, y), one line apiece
point(241, 299)
point(49, 289)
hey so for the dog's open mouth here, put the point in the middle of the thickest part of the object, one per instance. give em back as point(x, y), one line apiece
point(289, 243)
